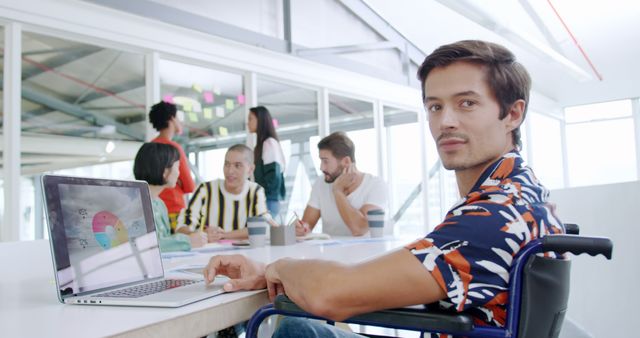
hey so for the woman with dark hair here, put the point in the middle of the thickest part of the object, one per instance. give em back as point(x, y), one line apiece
point(268, 158)
point(158, 164)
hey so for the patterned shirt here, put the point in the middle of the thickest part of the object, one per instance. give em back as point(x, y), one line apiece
point(470, 253)
point(212, 205)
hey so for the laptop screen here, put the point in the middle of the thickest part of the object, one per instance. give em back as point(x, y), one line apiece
point(102, 233)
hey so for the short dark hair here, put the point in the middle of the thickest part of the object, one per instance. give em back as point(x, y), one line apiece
point(264, 130)
point(507, 78)
point(161, 113)
point(340, 146)
point(246, 151)
point(151, 161)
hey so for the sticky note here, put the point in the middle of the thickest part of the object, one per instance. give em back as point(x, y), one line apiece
point(216, 90)
point(193, 117)
point(197, 87)
point(197, 107)
point(208, 113)
point(187, 106)
point(240, 99)
point(208, 97)
point(229, 104)
point(219, 112)
point(223, 131)
point(168, 98)
point(180, 115)
point(276, 124)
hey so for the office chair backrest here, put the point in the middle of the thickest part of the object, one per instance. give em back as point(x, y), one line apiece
point(544, 298)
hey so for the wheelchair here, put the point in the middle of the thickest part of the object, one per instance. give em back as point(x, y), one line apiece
point(538, 296)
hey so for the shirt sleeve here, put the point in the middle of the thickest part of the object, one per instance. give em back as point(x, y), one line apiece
point(314, 197)
point(192, 215)
point(378, 194)
point(262, 202)
point(470, 253)
point(272, 152)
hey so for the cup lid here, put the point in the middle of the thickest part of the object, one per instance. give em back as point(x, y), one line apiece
point(375, 212)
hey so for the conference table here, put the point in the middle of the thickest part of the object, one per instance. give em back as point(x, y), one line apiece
point(29, 306)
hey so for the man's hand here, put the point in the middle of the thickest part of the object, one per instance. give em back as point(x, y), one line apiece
point(274, 284)
point(215, 234)
point(198, 239)
point(302, 228)
point(244, 273)
point(347, 181)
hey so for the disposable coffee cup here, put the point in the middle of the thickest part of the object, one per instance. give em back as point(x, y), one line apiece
point(257, 227)
point(376, 222)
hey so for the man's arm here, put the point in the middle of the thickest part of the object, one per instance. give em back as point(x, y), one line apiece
point(337, 291)
point(356, 220)
point(185, 180)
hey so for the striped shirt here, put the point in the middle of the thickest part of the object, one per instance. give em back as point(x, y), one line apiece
point(212, 205)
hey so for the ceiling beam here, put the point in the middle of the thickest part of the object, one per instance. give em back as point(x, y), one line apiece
point(376, 22)
point(79, 112)
point(59, 60)
point(346, 49)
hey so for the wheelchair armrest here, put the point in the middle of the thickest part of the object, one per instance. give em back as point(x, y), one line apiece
point(578, 244)
point(406, 318)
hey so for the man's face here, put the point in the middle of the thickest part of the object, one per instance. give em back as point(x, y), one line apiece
point(236, 169)
point(463, 117)
point(330, 166)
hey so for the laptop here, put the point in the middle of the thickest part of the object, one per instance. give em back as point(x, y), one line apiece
point(105, 249)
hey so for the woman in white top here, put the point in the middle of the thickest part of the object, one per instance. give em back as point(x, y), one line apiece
point(268, 158)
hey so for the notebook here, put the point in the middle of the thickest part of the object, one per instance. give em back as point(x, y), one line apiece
point(105, 247)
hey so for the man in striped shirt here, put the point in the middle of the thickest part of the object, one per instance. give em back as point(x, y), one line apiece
point(220, 208)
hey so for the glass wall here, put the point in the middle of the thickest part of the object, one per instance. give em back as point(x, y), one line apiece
point(211, 102)
point(355, 117)
point(404, 170)
point(601, 144)
point(80, 90)
point(295, 116)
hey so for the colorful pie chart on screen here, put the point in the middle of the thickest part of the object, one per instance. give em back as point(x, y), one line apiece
point(109, 230)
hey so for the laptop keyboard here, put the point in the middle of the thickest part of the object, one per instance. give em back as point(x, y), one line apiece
point(148, 288)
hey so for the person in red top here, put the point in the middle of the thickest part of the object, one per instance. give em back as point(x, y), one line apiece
point(164, 119)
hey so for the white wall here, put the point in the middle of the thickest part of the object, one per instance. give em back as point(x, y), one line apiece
point(604, 293)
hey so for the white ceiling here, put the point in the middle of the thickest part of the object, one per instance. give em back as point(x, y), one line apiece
point(608, 32)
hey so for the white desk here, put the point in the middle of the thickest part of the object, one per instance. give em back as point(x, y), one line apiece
point(29, 306)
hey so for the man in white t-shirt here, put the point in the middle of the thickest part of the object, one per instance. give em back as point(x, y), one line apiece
point(345, 195)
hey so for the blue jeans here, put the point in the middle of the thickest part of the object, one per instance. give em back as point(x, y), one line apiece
point(274, 207)
point(293, 327)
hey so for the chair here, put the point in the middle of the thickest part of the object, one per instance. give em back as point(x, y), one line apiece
point(538, 296)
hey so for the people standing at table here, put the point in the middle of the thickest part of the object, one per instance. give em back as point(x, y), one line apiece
point(158, 165)
point(268, 158)
point(163, 117)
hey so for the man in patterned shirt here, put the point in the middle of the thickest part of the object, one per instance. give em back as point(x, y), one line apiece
point(476, 95)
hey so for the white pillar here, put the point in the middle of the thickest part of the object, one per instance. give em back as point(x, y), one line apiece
point(422, 123)
point(152, 82)
point(10, 230)
point(565, 154)
point(323, 113)
point(378, 125)
point(635, 109)
point(250, 85)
